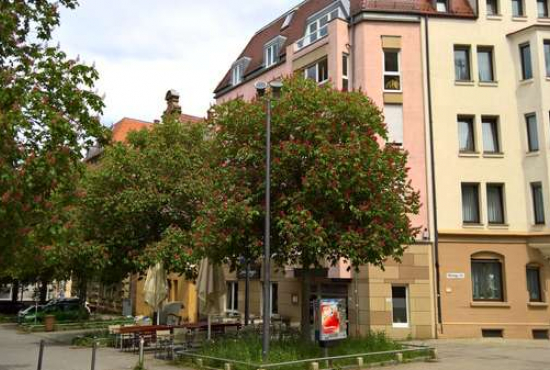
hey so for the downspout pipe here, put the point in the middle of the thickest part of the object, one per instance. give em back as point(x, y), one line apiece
point(432, 167)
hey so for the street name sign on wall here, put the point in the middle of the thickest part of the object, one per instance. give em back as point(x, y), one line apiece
point(456, 275)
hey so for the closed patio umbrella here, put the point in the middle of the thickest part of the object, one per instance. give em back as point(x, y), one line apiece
point(211, 291)
point(156, 288)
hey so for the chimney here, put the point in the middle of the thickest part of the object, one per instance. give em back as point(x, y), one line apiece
point(172, 103)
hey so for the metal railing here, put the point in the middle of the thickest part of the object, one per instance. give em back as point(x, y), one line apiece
point(311, 38)
point(395, 356)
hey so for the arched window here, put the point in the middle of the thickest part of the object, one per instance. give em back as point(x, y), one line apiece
point(487, 277)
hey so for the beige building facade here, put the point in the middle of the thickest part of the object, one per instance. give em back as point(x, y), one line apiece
point(489, 83)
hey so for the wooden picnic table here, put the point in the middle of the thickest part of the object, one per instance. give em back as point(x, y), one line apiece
point(216, 326)
point(144, 329)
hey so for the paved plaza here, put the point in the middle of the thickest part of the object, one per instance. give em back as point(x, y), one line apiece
point(20, 352)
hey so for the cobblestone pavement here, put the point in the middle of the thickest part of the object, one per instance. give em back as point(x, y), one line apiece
point(20, 352)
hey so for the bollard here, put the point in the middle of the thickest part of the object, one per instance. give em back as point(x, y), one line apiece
point(314, 366)
point(399, 357)
point(40, 355)
point(227, 366)
point(94, 350)
point(433, 354)
point(141, 345)
point(360, 362)
point(200, 363)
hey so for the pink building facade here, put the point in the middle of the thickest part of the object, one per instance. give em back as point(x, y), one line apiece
point(359, 45)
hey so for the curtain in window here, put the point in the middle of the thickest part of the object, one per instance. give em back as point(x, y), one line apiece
point(532, 133)
point(490, 137)
point(470, 203)
point(547, 57)
point(492, 7)
point(485, 66)
point(533, 284)
point(466, 136)
point(462, 65)
point(538, 200)
point(487, 280)
point(495, 208)
point(517, 8)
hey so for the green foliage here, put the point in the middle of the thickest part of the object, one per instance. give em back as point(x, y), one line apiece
point(142, 198)
point(48, 116)
point(337, 190)
point(249, 349)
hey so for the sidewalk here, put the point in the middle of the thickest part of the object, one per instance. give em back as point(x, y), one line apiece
point(20, 352)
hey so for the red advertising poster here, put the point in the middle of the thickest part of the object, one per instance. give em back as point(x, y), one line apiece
point(332, 319)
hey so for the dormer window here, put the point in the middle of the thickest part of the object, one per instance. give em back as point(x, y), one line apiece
point(271, 55)
point(441, 6)
point(272, 50)
point(238, 73)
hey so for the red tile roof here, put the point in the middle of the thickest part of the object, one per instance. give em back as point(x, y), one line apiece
point(255, 47)
point(122, 128)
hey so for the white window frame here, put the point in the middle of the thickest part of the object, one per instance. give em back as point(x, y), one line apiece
point(233, 292)
point(271, 56)
point(392, 73)
point(237, 74)
point(345, 67)
point(442, 2)
point(407, 304)
point(317, 71)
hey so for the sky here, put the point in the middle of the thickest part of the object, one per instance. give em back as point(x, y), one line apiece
point(143, 48)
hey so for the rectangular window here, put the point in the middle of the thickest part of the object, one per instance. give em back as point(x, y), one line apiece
point(491, 140)
point(492, 7)
point(517, 8)
point(441, 5)
point(237, 75)
point(485, 63)
point(345, 72)
point(526, 67)
point(538, 203)
point(232, 296)
point(392, 70)
point(466, 136)
point(400, 306)
point(393, 113)
point(547, 56)
point(487, 280)
point(532, 132)
point(542, 8)
point(274, 298)
point(533, 284)
point(271, 56)
point(470, 203)
point(462, 63)
point(317, 72)
point(495, 203)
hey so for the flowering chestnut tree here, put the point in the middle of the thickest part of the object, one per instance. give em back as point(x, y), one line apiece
point(48, 116)
point(338, 192)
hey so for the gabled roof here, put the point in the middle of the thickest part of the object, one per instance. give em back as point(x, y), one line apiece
point(296, 29)
point(122, 128)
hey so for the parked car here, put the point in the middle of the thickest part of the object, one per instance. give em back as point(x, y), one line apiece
point(64, 309)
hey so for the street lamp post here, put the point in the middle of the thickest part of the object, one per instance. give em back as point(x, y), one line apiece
point(261, 88)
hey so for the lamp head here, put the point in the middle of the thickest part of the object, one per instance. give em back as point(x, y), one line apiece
point(276, 87)
point(261, 88)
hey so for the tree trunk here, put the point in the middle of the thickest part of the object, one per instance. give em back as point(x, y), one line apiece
point(82, 288)
point(306, 293)
point(15, 291)
point(43, 292)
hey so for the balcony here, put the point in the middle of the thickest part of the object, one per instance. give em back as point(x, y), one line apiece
point(311, 38)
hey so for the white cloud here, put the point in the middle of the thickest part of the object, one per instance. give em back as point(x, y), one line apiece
point(142, 48)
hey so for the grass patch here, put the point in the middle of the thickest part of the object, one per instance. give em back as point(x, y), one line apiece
point(7, 319)
point(249, 349)
point(102, 338)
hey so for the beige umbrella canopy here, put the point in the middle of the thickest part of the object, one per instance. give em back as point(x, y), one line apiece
point(211, 290)
point(156, 287)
